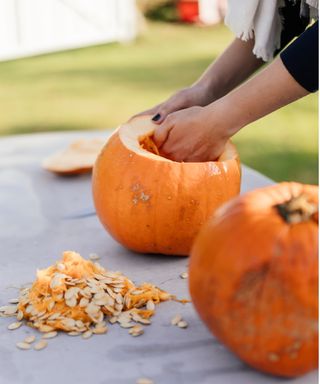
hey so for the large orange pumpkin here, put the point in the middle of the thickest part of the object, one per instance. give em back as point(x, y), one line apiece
point(254, 277)
point(154, 205)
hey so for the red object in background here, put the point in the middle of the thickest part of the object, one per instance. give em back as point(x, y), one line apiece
point(188, 10)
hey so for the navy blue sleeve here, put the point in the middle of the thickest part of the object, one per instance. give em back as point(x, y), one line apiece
point(301, 58)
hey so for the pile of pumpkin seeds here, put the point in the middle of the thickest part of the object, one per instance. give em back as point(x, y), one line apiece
point(82, 305)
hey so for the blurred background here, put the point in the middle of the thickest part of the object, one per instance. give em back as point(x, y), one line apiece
point(80, 65)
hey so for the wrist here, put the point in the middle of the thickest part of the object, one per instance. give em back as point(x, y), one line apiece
point(226, 115)
point(204, 91)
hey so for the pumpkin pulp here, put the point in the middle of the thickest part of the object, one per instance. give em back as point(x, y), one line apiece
point(146, 142)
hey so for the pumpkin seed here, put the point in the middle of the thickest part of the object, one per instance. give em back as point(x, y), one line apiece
point(150, 305)
point(118, 307)
point(6, 308)
point(9, 309)
point(23, 345)
point(137, 330)
point(15, 325)
point(126, 324)
point(87, 334)
point(100, 330)
point(42, 314)
point(140, 319)
point(101, 324)
point(100, 295)
point(71, 292)
point(54, 316)
point(14, 301)
point(83, 302)
point(20, 315)
point(69, 323)
point(175, 320)
point(71, 302)
point(79, 323)
point(144, 380)
point(92, 308)
point(102, 302)
point(54, 283)
point(50, 335)
point(136, 292)
point(29, 339)
point(73, 333)
point(94, 256)
point(96, 317)
point(41, 345)
point(184, 275)
point(182, 324)
point(45, 328)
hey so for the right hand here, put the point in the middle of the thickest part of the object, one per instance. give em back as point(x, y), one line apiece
point(195, 95)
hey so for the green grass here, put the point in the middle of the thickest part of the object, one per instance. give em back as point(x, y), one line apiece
point(101, 86)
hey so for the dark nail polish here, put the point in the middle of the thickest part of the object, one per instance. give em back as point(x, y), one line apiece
point(156, 117)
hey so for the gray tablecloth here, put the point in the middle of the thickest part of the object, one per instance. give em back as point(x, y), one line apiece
point(42, 215)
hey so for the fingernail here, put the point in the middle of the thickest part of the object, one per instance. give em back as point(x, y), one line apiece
point(156, 117)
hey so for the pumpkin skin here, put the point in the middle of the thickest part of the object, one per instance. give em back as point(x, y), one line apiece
point(151, 204)
point(253, 278)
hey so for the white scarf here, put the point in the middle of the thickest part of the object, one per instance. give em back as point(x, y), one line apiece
point(261, 19)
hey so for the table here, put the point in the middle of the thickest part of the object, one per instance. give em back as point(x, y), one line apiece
point(43, 215)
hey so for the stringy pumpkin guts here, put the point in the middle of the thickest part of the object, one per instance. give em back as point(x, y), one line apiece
point(146, 142)
point(74, 294)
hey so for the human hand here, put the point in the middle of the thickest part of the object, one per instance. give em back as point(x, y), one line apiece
point(192, 134)
point(185, 98)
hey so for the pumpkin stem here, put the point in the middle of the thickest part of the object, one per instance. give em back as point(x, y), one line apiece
point(297, 210)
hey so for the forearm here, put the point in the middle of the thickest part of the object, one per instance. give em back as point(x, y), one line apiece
point(229, 70)
point(266, 92)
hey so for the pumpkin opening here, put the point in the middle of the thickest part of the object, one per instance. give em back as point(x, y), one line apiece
point(297, 210)
point(137, 136)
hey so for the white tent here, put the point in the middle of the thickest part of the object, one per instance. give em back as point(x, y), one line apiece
point(29, 27)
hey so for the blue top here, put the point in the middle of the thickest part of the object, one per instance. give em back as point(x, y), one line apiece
point(301, 56)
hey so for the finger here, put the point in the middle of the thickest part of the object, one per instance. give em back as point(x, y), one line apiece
point(161, 133)
point(174, 156)
point(172, 149)
point(147, 112)
point(164, 110)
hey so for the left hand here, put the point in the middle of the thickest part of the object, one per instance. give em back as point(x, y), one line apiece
point(191, 135)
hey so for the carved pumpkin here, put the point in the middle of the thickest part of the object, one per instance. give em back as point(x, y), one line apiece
point(254, 277)
point(154, 205)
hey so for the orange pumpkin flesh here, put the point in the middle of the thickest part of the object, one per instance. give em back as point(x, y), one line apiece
point(151, 204)
point(254, 278)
